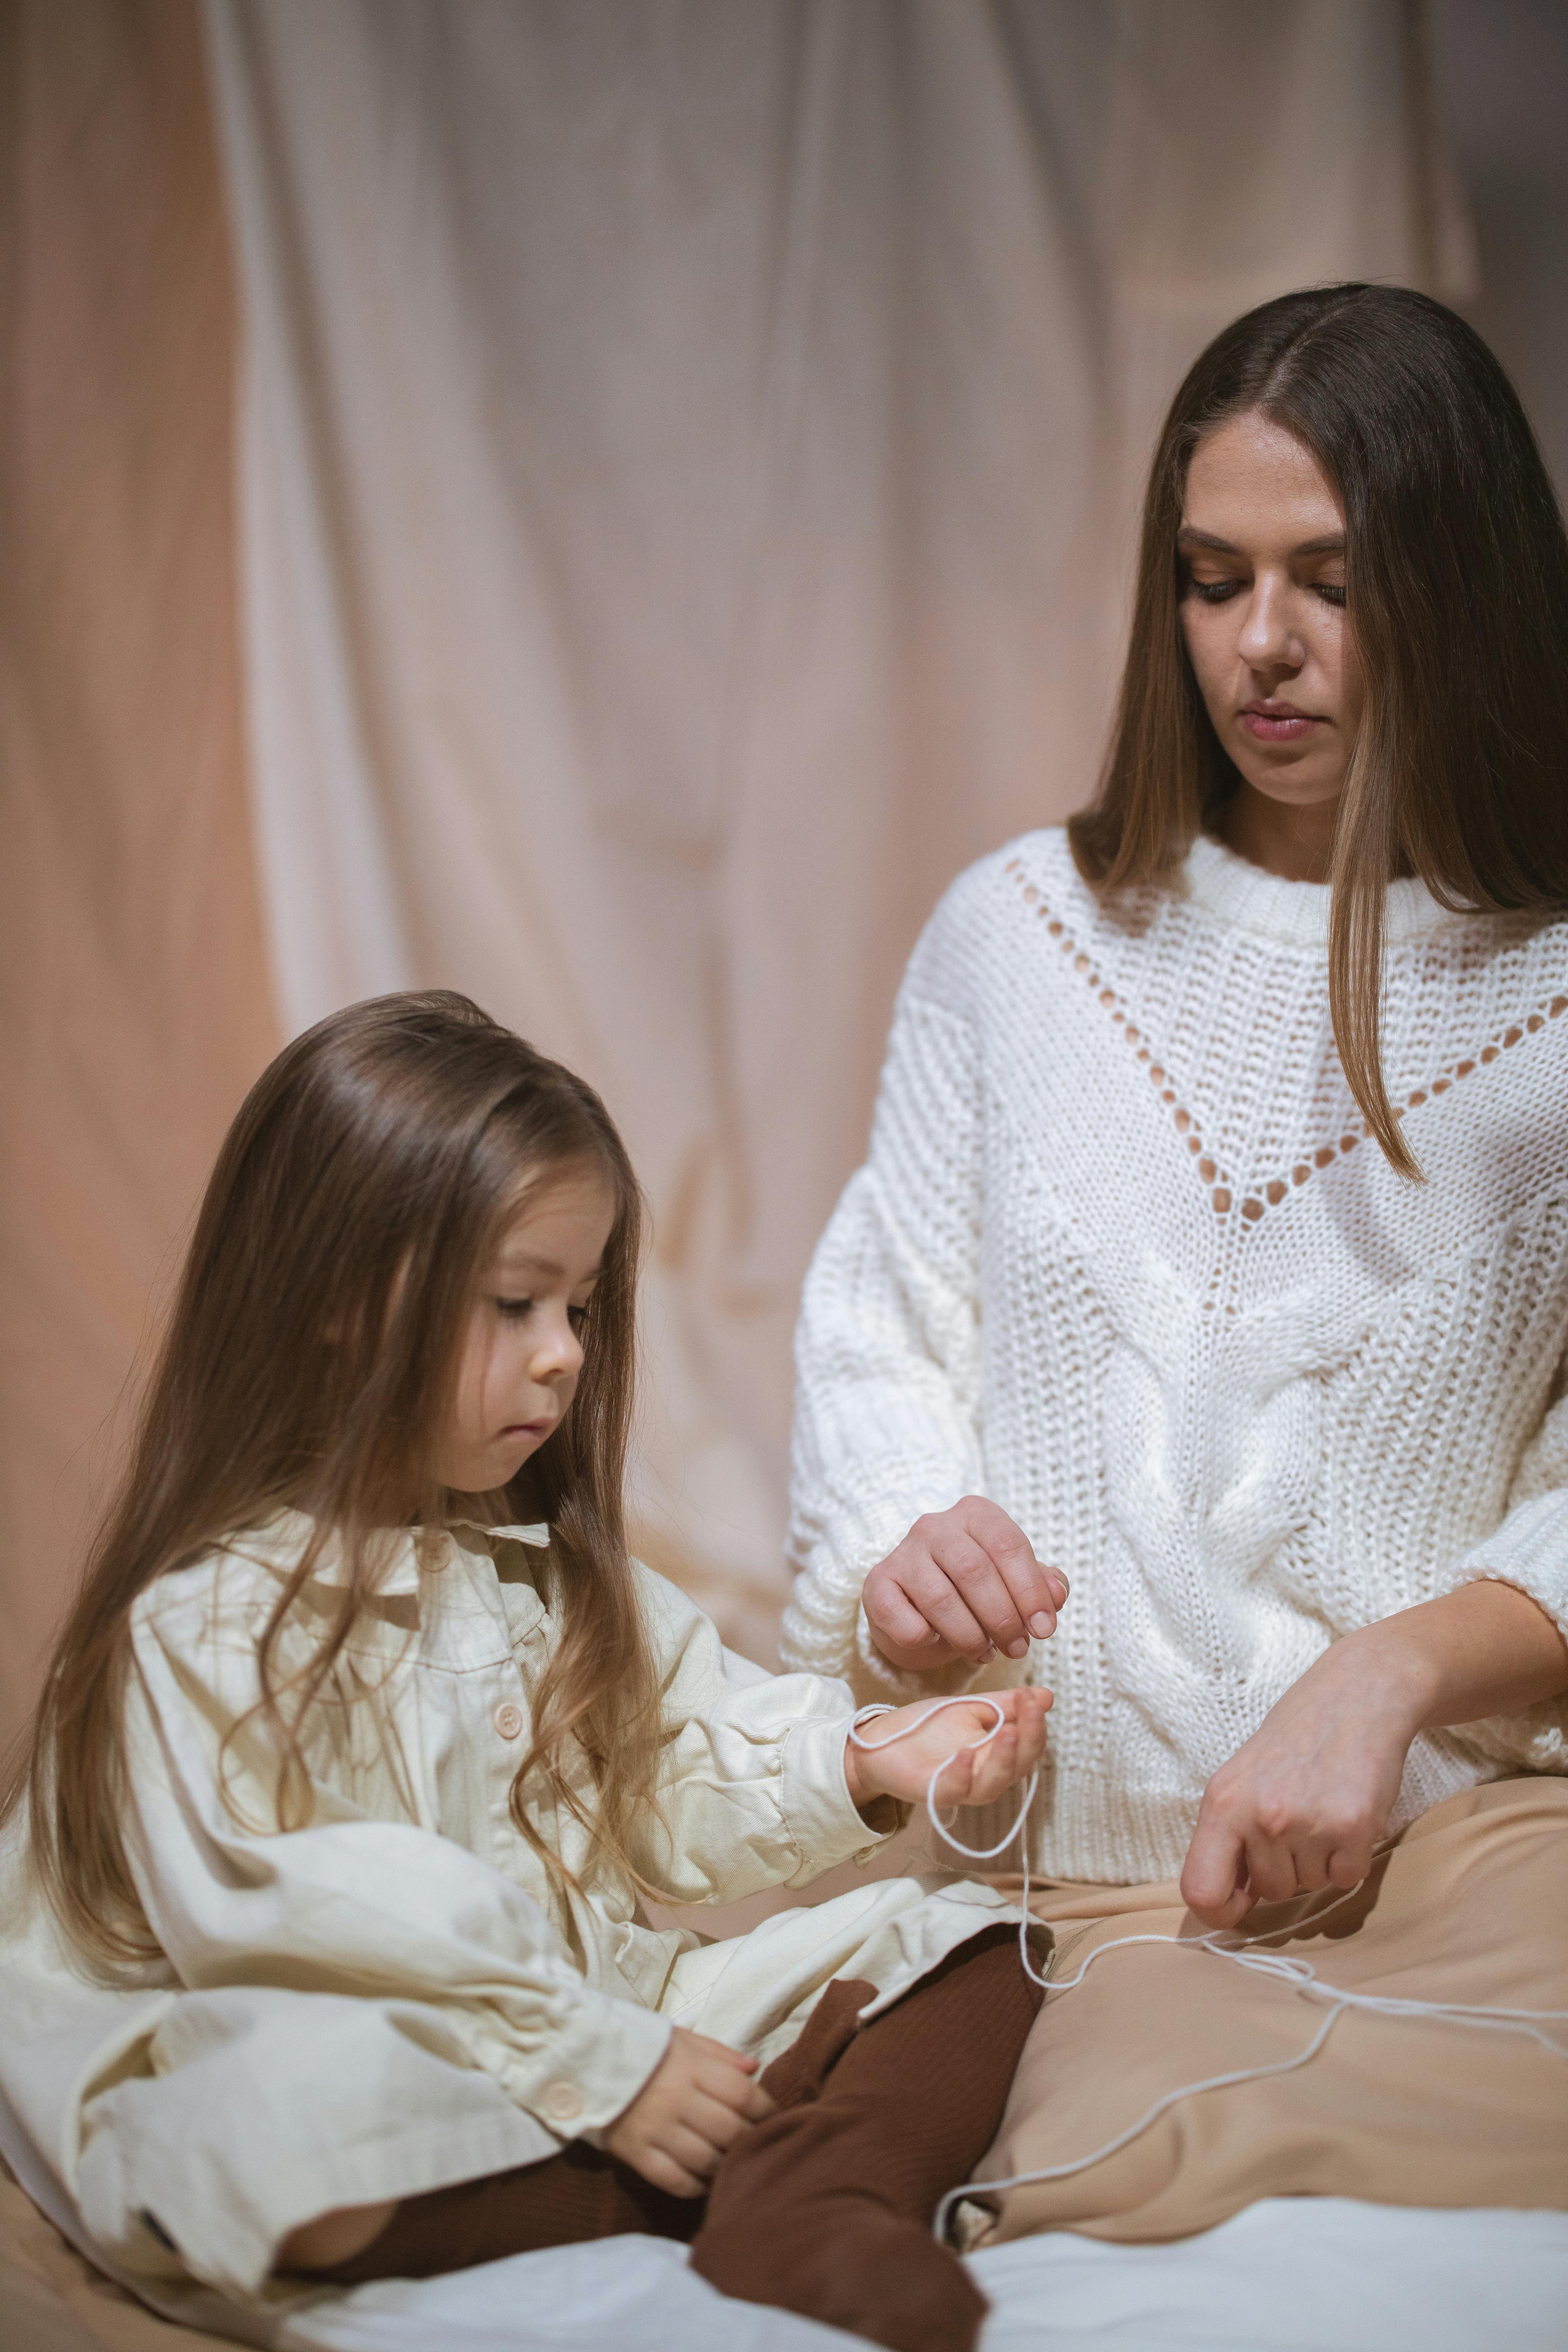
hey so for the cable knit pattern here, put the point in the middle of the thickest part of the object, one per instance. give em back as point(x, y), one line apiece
point(1123, 1258)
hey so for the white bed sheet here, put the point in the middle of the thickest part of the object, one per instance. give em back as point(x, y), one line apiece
point(1290, 2274)
point(1293, 2274)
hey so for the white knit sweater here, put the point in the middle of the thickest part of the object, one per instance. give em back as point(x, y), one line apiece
point(1123, 1258)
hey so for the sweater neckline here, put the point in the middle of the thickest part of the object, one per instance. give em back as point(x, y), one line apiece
point(1294, 912)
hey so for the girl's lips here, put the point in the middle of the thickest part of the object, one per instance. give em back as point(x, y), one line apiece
point(1281, 726)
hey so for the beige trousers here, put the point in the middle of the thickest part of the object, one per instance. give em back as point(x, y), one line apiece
point(1470, 1904)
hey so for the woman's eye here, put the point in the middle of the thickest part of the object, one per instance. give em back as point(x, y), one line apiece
point(577, 1316)
point(515, 1307)
point(1215, 591)
point(1331, 595)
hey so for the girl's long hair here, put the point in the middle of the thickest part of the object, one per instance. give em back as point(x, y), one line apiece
point(1456, 593)
point(310, 1358)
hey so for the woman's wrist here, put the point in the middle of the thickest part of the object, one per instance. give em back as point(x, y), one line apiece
point(1484, 1649)
point(1395, 1677)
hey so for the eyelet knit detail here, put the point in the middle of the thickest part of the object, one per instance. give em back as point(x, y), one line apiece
point(1275, 1190)
point(1124, 1259)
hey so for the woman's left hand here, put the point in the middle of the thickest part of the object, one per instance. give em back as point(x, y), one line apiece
point(1304, 1802)
point(905, 1748)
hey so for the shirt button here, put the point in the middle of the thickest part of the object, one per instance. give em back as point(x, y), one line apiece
point(508, 1719)
point(563, 2102)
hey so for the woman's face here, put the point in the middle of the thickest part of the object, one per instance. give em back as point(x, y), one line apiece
point(1262, 543)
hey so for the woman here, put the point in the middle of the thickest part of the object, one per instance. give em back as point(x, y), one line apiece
point(1212, 1245)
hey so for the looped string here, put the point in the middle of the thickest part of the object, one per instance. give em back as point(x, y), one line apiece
point(1290, 1968)
point(944, 1828)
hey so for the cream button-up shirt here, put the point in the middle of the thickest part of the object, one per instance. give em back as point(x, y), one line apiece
point(400, 1994)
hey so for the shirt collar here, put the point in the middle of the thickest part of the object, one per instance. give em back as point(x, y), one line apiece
point(279, 1541)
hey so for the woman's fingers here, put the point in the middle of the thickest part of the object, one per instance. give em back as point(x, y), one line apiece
point(992, 1563)
point(1349, 1865)
point(1214, 1875)
point(1035, 1591)
point(1272, 1870)
point(946, 1612)
point(896, 1621)
point(978, 1580)
point(967, 1578)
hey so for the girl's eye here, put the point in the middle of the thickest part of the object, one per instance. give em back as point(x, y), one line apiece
point(515, 1307)
point(1215, 591)
point(577, 1316)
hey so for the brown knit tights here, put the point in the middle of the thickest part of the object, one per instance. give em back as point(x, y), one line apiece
point(824, 2208)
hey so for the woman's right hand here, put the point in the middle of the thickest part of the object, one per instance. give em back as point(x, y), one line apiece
point(698, 2099)
point(964, 1584)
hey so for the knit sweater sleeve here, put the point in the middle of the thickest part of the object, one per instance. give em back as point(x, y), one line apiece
point(887, 1350)
point(1530, 1549)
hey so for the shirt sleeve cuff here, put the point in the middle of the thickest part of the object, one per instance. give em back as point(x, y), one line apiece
point(593, 2068)
point(820, 1814)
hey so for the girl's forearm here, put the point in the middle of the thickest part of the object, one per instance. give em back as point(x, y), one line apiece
point(1487, 1649)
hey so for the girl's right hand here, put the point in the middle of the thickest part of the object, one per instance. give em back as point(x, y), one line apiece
point(696, 2102)
point(963, 1584)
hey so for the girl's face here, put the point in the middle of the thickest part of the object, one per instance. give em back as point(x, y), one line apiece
point(521, 1350)
point(1262, 541)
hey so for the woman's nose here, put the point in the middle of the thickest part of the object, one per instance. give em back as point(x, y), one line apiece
point(1268, 641)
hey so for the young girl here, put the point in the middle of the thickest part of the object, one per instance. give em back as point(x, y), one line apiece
point(324, 1956)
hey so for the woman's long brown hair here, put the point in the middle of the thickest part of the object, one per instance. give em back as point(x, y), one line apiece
point(1456, 593)
point(310, 1358)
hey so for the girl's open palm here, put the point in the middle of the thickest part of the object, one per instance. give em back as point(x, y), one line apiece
point(895, 1754)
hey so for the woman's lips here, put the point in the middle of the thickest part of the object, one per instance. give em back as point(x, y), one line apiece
point(1277, 722)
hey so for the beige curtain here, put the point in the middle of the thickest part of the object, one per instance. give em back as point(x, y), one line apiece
point(134, 1005)
point(686, 469)
point(689, 459)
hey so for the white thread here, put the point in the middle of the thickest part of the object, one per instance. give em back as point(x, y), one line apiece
point(1286, 1968)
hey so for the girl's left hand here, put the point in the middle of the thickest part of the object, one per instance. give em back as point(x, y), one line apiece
point(904, 1750)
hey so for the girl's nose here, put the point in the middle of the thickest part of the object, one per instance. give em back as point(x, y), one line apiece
point(560, 1354)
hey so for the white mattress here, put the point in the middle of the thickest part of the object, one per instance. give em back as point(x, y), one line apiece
point(1294, 2274)
point(1291, 2274)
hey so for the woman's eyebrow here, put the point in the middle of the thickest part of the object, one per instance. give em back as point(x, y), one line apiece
point(1187, 536)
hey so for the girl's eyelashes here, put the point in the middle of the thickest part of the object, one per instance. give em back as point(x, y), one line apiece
point(515, 1309)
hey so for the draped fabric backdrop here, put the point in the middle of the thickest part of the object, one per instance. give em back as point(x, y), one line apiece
point(136, 1006)
point(686, 462)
